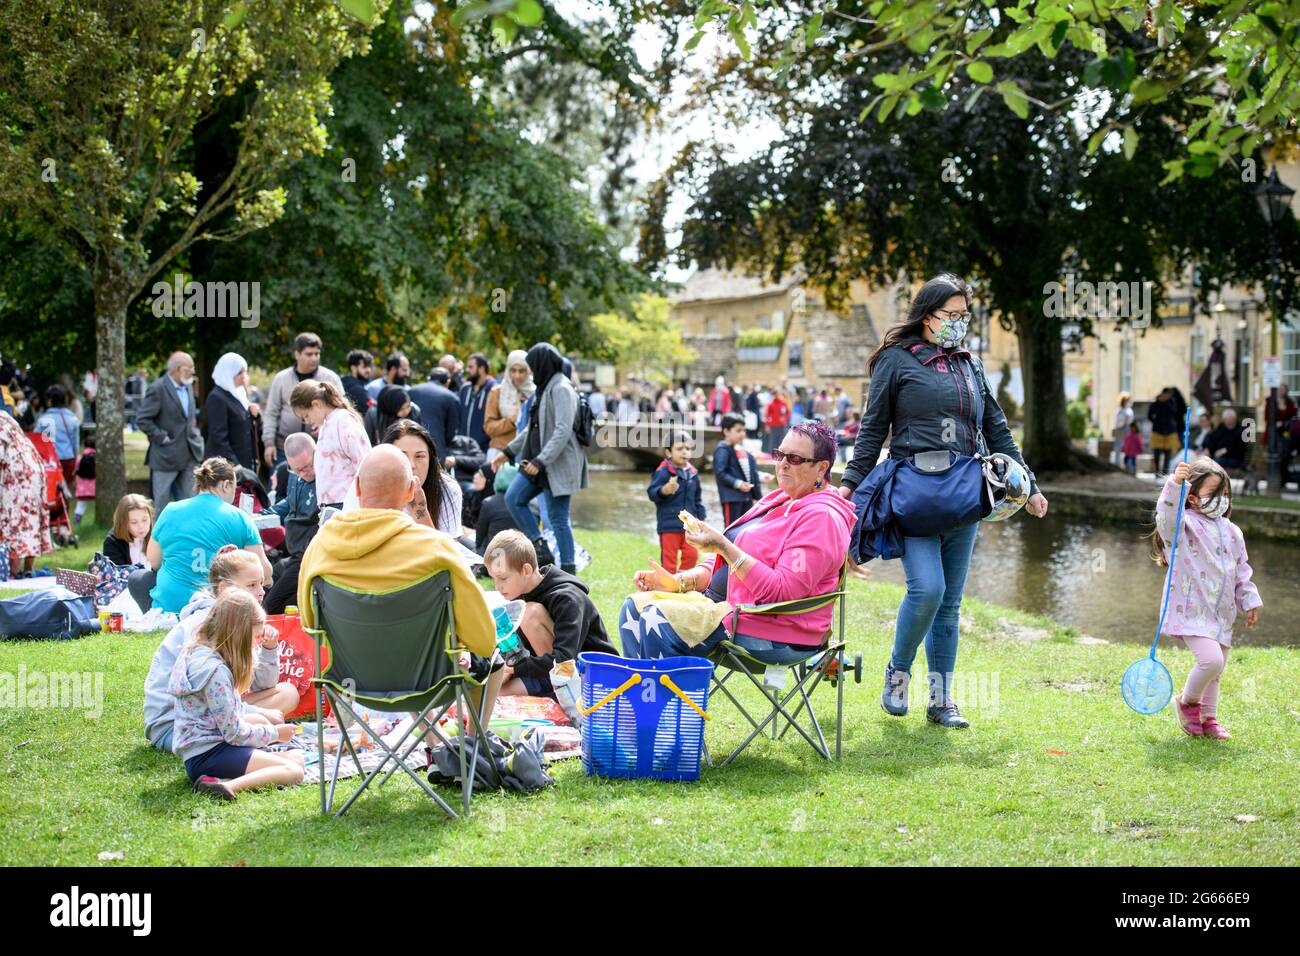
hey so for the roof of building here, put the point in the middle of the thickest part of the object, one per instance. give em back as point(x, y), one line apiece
point(712, 285)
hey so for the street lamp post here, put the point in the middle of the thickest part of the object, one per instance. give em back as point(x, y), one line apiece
point(1274, 198)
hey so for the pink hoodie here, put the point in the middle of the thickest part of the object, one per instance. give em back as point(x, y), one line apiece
point(799, 550)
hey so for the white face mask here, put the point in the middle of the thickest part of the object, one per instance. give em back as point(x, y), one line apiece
point(1216, 507)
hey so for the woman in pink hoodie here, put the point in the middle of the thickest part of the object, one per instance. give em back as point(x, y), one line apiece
point(790, 545)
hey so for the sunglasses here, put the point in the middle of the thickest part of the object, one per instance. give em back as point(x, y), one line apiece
point(780, 455)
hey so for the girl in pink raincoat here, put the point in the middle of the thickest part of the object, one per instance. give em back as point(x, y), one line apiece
point(1211, 583)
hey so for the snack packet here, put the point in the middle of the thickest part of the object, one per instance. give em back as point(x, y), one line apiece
point(568, 690)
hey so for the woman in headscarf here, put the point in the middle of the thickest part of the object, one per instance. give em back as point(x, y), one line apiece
point(394, 403)
point(230, 414)
point(504, 402)
point(551, 461)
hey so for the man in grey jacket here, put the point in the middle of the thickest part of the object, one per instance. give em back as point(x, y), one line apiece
point(279, 420)
point(168, 417)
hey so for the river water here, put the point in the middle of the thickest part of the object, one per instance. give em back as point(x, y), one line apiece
point(1096, 578)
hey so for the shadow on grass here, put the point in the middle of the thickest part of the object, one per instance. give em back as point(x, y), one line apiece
point(1194, 753)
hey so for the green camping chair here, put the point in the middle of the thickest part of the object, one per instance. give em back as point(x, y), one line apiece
point(392, 651)
point(824, 662)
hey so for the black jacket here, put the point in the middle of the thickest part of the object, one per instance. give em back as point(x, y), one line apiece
point(727, 471)
point(469, 456)
point(117, 550)
point(1230, 438)
point(494, 517)
point(355, 390)
point(230, 430)
point(933, 399)
point(439, 412)
point(578, 626)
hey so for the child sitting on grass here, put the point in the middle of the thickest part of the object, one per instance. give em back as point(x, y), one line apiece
point(1211, 582)
point(132, 525)
point(213, 735)
point(675, 487)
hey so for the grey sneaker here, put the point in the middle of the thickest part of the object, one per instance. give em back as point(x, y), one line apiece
point(894, 697)
point(946, 715)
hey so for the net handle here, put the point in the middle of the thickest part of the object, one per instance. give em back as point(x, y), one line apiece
point(1182, 498)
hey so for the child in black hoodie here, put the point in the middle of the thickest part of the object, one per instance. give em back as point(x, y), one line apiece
point(560, 620)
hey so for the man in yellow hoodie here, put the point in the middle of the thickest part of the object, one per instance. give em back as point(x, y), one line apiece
point(378, 547)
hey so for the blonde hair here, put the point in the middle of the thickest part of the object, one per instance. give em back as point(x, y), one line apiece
point(227, 565)
point(213, 472)
point(309, 390)
point(228, 630)
point(122, 517)
point(513, 547)
point(1200, 473)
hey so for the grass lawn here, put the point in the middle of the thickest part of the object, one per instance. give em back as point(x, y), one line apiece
point(1055, 770)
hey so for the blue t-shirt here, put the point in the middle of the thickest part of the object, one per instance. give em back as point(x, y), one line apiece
point(190, 534)
point(60, 426)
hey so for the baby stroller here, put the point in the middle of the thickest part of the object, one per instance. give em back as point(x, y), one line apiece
point(57, 493)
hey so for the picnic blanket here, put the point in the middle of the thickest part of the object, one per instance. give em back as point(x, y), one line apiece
point(511, 717)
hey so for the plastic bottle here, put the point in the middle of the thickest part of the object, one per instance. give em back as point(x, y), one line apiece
point(507, 618)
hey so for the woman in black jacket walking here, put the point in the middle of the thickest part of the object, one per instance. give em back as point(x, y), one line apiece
point(230, 414)
point(935, 396)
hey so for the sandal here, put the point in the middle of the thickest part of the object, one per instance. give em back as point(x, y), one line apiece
point(1189, 717)
point(1214, 730)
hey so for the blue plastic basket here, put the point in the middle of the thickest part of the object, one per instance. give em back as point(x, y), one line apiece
point(637, 725)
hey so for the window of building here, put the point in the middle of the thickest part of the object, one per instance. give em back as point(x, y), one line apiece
point(1126, 365)
point(794, 358)
point(711, 326)
point(778, 320)
point(1291, 361)
point(764, 321)
point(1196, 349)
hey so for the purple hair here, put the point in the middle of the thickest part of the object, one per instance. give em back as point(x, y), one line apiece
point(822, 438)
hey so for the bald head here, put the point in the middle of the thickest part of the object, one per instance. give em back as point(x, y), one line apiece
point(384, 479)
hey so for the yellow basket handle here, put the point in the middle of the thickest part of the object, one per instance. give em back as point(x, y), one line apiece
point(625, 686)
point(668, 682)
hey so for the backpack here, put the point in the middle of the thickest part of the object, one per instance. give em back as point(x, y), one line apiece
point(584, 422)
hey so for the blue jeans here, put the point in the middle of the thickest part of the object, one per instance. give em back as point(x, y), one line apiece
point(522, 491)
point(648, 637)
point(936, 569)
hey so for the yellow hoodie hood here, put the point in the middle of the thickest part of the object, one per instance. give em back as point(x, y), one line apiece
point(377, 549)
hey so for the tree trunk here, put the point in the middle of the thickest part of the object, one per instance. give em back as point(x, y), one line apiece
point(1047, 446)
point(112, 295)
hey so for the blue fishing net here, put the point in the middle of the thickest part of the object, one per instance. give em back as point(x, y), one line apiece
point(1147, 686)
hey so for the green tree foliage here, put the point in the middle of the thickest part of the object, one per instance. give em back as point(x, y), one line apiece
point(1233, 64)
point(648, 341)
point(100, 101)
point(1012, 202)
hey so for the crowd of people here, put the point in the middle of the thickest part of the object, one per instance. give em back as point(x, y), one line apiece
point(375, 482)
point(1227, 442)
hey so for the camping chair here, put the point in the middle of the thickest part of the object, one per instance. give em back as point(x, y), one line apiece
point(392, 651)
point(824, 662)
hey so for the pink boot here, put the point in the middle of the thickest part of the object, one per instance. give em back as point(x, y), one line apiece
point(1214, 730)
point(1189, 717)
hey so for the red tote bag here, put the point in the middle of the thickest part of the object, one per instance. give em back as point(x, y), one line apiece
point(298, 662)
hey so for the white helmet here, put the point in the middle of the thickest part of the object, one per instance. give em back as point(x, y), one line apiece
point(1007, 485)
